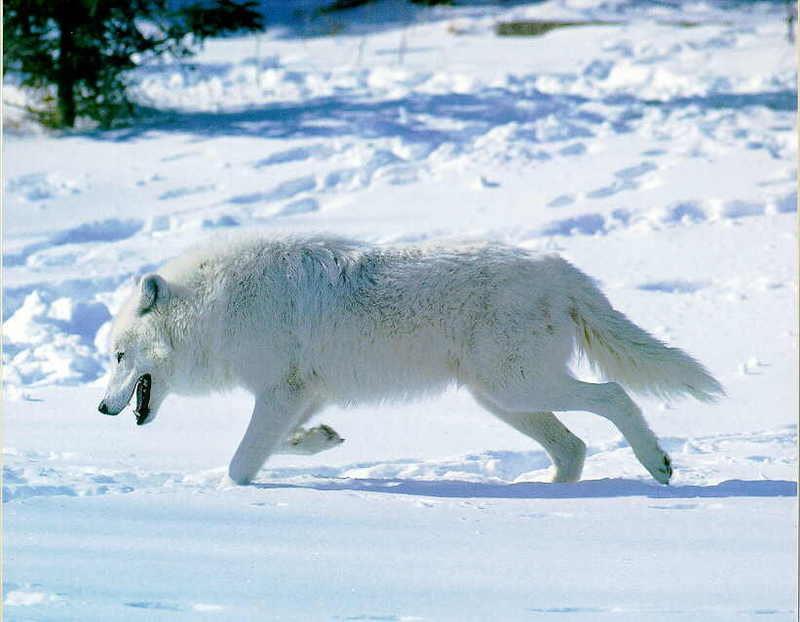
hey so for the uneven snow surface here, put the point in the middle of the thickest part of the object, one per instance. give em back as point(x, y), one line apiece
point(658, 158)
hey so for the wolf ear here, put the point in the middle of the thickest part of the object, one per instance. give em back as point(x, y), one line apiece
point(154, 292)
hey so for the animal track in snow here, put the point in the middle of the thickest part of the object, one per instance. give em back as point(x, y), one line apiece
point(632, 172)
point(562, 200)
point(109, 230)
point(223, 220)
point(585, 224)
point(42, 186)
point(786, 204)
point(341, 179)
point(155, 178)
point(284, 190)
point(573, 149)
point(177, 193)
point(59, 476)
point(617, 186)
point(626, 179)
point(684, 212)
point(296, 154)
point(738, 209)
point(302, 206)
point(677, 286)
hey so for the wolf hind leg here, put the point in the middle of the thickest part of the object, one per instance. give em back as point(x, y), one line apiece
point(305, 442)
point(309, 441)
point(566, 450)
point(608, 400)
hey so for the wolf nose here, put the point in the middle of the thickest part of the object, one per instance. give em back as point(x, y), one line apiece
point(103, 408)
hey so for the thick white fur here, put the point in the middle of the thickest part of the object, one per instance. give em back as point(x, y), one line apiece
point(310, 321)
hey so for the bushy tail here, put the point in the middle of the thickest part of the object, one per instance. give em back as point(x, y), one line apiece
point(623, 352)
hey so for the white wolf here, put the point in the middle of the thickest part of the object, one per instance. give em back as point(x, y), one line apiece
point(306, 322)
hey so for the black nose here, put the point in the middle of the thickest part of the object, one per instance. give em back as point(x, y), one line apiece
point(103, 408)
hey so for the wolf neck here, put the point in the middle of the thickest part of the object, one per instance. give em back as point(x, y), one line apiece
point(199, 344)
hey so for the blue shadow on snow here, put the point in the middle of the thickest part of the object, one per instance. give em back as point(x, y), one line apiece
point(339, 116)
point(601, 488)
point(355, 116)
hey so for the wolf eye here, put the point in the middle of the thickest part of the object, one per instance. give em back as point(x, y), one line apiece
point(119, 356)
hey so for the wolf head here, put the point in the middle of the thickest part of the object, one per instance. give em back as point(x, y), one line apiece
point(141, 352)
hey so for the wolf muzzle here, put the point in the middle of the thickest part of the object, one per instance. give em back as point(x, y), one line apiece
point(142, 391)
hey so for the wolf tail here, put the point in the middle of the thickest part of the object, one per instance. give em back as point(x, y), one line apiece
point(621, 351)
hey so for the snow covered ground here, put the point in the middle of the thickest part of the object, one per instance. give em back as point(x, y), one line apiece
point(659, 158)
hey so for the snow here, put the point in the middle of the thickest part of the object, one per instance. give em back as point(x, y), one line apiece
point(660, 159)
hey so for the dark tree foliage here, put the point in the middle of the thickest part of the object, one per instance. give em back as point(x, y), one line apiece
point(84, 48)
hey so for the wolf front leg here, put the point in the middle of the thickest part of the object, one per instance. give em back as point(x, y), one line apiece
point(277, 411)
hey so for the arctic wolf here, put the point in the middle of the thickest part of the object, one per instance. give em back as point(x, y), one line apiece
point(306, 322)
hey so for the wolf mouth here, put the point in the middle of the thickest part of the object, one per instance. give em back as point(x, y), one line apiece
point(142, 411)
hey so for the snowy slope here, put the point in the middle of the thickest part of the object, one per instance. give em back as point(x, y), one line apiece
point(658, 158)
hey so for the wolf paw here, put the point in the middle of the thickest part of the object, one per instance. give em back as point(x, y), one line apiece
point(666, 469)
point(315, 440)
point(662, 470)
point(656, 461)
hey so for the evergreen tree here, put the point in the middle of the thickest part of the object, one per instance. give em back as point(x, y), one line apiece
point(84, 48)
